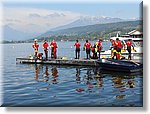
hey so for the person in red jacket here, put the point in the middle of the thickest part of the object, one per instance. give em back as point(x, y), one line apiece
point(87, 47)
point(35, 45)
point(77, 51)
point(129, 44)
point(99, 47)
point(53, 46)
point(45, 47)
point(119, 46)
point(113, 48)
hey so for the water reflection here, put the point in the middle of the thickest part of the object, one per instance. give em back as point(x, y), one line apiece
point(46, 74)
point(37, 72)
point(88, 80)
point(54, 73)
point(78, 75)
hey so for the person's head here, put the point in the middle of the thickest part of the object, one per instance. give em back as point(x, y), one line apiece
point(35, 40)
point(45, 41)
point(100, 40)
point(77, 41)
point(129, 39)
point(117, 39)
point(86, 40)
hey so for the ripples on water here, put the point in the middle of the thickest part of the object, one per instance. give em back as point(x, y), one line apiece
point(47, 85)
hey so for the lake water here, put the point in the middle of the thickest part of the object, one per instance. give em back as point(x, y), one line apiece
point(49, 85)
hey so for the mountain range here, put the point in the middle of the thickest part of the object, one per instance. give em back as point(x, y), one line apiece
point(89, 20)
point(13, 34)
point(96, 28)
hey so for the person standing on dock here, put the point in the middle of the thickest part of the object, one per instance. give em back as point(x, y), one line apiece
point(87, 47)
point(35, 45)
point(77, 51)
point(53, 46)
point(99, 47)
point(119, 46)
point(45, 47)
point(129, 44)
point(94, 51)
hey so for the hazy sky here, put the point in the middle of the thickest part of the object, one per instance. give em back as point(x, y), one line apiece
point(122, 10)
point(41, 15)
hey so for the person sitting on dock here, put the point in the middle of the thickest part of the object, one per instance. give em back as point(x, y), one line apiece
point(77, 51)
point(53, 46)
point(87, 47)
point(99, 47)
point(35, 45)
point(129, 44)
point(45, 47)
point(40, 56)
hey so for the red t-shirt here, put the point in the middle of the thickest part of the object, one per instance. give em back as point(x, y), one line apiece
point(87, 45)
point(45, 45)
point(129, 43)
point(77, 44)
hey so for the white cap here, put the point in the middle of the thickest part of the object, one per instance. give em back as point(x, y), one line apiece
point(35, 39)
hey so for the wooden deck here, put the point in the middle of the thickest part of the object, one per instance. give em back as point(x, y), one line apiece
point(74, 62)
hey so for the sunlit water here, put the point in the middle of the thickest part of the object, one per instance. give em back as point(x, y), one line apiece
point(48, 85)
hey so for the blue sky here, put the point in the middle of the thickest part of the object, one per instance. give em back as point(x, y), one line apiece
point(120, 10)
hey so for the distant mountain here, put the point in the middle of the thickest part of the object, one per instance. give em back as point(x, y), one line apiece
point(89, 20)
point(12, 34)
point(95, 28)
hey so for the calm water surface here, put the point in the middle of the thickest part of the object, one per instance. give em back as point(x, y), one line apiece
point(48, 85)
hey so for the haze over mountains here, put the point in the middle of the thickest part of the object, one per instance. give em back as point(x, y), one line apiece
point(13, 34)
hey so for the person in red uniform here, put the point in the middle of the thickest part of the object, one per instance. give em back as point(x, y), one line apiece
point(35, 45)
point(53, 46)
point(94, 51)
point(87, 47)
point(77, 51)
point(129, 44)
point(99, 47)
point(40, 56)
point(119, 46)
point(45, 47)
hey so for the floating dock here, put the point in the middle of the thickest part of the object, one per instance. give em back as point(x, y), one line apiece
point(74, 62)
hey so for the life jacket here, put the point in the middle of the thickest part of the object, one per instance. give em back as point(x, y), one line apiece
point(118, 44)
point(93, 49)
point(35, 46)
point(129, 43)
point(77, 44)
point(99, 45)
point(45, 45)
point(53, 44)
point(87, 45)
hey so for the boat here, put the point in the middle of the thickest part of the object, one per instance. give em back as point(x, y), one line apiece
point(126, 66)
point(136, 53)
